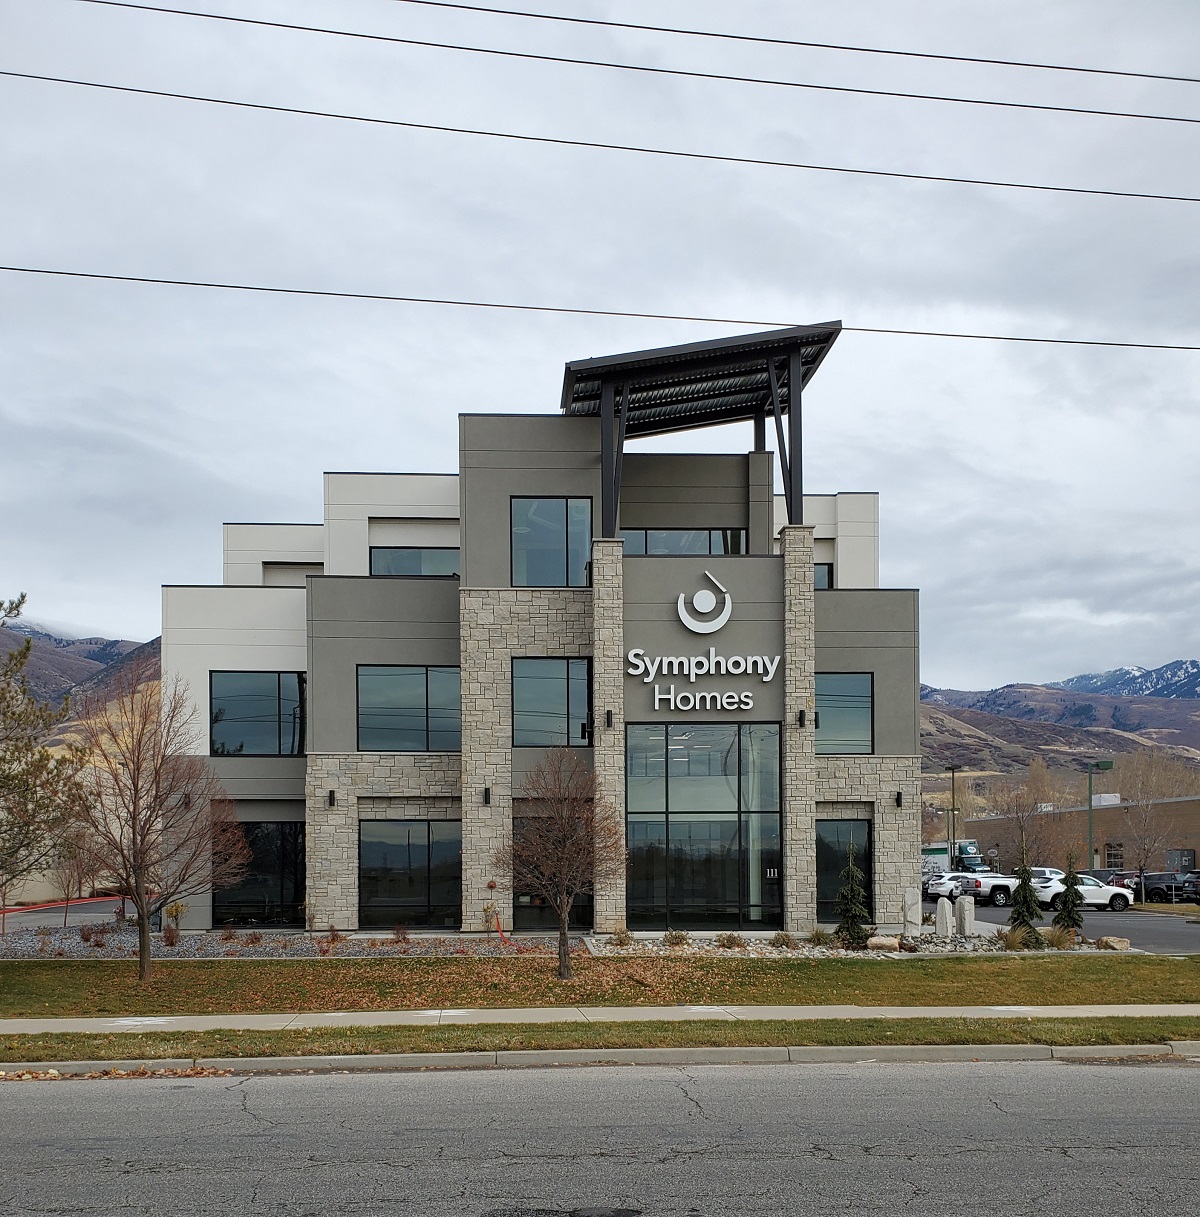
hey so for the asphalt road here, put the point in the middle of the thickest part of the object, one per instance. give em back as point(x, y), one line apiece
point(1162, 933)
point(1011, 1138)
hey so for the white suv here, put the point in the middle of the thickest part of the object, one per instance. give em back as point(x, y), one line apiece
point(1095, 894)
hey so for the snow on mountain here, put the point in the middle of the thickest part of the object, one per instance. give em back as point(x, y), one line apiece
point(1180, 678)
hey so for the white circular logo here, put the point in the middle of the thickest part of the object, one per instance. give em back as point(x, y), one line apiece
point(704, 601)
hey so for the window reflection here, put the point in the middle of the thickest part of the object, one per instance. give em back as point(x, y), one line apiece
point(845, 712)
point(272, 890)
point(834, 838)
point(428, 561)
point(551, 702)
point(256, 713)
point(410, 873)
point(407, 708)
point(551, 542)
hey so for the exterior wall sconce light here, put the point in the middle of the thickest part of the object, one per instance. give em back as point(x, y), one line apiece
point(332, 799)
point(187, 800)
point(800, 718)
point(899, 798)
point(487, 796)
point(608, 718)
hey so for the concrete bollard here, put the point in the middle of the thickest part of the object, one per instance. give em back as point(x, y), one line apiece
point(944, 922)
point(964, 916)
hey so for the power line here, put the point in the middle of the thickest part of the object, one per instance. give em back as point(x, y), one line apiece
point(762, 40)
point(680, 154)
point(580, 312)
point(646, 68)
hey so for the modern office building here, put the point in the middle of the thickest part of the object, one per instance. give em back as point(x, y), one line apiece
point(377, 686)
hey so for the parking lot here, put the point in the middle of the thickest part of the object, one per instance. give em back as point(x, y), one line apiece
point(1162, 933)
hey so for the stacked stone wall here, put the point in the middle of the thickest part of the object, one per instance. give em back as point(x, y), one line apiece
point(799, 787)
point(496, 625)
point(608, 695)
point(865, 787)
point(358, 780)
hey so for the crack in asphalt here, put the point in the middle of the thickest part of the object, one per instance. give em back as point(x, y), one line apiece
point(687, 1094)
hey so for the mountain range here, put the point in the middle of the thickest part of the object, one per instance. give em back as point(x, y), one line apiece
point(989, 731)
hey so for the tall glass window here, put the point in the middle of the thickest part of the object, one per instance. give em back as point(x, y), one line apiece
point(669, 541)
point(551, 542)
point(845, 712)
point(429, 561)
point(551, 702)
point(834, 838)
point(409, 709)
point(256, 713)
point(703, 825)
point(410, 873)
point(272, 890)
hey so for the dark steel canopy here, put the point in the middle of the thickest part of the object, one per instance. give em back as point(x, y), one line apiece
point(700, 384)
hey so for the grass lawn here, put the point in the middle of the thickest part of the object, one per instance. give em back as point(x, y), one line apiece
point(368, 1040)
point(67, 988)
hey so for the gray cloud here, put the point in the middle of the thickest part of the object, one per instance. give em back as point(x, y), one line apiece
point(1043, 499)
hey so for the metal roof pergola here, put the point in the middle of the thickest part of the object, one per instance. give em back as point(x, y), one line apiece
point(701, 384)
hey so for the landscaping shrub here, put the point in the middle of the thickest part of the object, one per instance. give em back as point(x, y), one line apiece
point(229, 934)
point(170, 935)
point(851, 905)
point(730, 942)
point(781, 938)
point(620, 938)
point(676, 938)
point(253, 938)
point(1059, 937)
point(400, 933)
point(821, 938)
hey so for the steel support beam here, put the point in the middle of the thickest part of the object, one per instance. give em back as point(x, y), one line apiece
point(795, 471)
point(780, 439)
point(608, 461)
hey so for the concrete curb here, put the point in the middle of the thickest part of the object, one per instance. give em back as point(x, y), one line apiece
point(416, 1061)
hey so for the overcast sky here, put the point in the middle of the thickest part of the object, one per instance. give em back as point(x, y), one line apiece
point(1043, 498)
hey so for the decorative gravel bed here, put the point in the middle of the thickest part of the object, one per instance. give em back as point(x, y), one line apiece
point(114, 940)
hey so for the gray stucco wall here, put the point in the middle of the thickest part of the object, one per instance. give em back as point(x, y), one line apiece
point(513, 454)
point(356, 620)
point(260, 777)
point(684, 490)
point(876, 631)
point(652, 586)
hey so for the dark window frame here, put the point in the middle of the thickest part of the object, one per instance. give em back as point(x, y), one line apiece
point(301, 726)
point(587, 566)
point(869, 885)
point(572, 742)
point(829, 583)
point(222, 904)
point(744, 552)
point(744, 922)
point(819, 752)
point(373, 549)
point(429, 905)
point(408, 751)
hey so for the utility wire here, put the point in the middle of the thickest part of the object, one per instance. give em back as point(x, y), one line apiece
point(606, 147)
point(656, 71)
point(582, 312)
point(796, 42)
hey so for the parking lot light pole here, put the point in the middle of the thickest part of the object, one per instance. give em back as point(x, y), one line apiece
point(952, 770)
point(1093, 767)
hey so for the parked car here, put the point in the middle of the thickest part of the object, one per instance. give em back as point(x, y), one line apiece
point(1160, 886)
point(1045, 872)
point(990, 888)
point(1124, 878)
point(948, 883)
point(1095, 894)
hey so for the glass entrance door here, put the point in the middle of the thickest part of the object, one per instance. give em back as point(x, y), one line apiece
point(834, 838)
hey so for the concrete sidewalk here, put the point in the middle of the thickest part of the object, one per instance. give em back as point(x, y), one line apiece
point(568, 1014)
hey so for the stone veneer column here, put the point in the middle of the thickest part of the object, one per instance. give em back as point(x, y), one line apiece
point(799, 776)
point(330, 844)
point(494, 625)
point(874, 782)
point(608, 694)
point(358, 780)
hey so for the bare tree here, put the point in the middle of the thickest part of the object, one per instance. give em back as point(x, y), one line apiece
point(75, 866)
point(156, 814)
point(1147, 777)
point(1025, 833)
point(568, 842)
point(38, 789)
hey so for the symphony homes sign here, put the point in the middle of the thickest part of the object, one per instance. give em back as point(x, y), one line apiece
point(651, 669)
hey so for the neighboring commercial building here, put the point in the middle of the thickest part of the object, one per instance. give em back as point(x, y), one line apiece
point(378, 685)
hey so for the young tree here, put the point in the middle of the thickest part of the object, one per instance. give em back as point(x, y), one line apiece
point(75, 866)
point(1069, 915)
point(851, 905)
point(1147, 777)
point(1025, 910)
point(566, 844)
point(38, 790)
point(158, 819)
